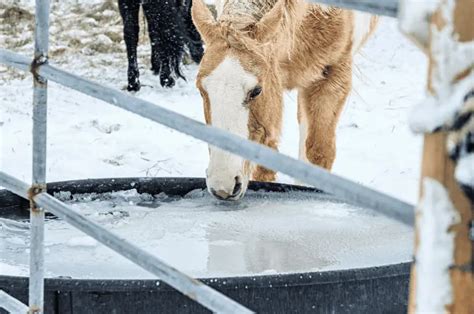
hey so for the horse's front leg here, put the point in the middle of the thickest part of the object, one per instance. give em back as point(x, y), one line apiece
point(263, 174)
point(319, 109)
point(129, 11)
point(268, 136)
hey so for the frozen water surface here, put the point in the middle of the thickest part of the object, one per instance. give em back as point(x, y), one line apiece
point(266, 233)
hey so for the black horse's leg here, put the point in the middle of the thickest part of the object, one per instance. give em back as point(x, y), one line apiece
point(129, 10)
point(155, 58)
point(166, 38)
point(155, 50)
point(193, 39)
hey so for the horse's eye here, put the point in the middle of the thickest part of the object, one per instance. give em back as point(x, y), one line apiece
point(255, 92)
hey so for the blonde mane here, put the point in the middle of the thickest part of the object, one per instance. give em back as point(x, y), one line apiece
point(242, 16)
point(240, 13)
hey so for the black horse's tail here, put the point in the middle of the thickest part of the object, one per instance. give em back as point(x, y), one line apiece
point(167, 39)
point(190, 34)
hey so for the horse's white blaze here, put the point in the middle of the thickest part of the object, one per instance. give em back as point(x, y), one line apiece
point(361, 29)
point(227, 87)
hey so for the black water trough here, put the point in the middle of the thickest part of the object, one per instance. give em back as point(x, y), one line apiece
point(381, 289)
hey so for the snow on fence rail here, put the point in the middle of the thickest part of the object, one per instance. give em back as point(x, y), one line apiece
point(341, 188)
point(380, 7)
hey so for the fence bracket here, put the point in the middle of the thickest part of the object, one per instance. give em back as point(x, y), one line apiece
point(38, 80)
point(34, 190)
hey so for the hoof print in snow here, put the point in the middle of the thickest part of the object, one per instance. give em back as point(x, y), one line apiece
point(112, 162)
point(105, 128)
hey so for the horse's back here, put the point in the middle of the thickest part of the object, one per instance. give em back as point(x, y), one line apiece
point(327, 36)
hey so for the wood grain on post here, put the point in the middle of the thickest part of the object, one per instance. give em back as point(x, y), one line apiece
point(437, 165)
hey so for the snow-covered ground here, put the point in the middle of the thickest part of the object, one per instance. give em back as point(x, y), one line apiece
point(88, 138)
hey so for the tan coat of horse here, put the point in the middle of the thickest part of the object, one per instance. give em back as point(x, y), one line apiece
point(257, 49)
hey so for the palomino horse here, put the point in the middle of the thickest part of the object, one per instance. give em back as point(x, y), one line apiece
point(255, 50)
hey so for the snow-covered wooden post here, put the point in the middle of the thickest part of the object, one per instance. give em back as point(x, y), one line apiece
point(442, 278)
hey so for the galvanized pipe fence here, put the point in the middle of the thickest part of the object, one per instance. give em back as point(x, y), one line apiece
point(341, 188)
point(40, 110)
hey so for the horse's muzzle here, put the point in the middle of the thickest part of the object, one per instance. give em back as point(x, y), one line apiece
point(225, 196)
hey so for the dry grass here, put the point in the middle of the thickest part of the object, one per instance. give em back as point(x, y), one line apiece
point(79, 33)
point(11, 15)
point(14, 22)
point(73, 28)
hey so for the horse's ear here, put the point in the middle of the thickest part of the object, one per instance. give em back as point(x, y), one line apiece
point(264, 29)
point(204, 20)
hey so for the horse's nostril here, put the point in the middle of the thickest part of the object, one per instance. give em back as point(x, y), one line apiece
point(222, 195)
point(237, 187)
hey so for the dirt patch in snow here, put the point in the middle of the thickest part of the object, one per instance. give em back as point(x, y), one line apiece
point(13, 14)
point(86, 33)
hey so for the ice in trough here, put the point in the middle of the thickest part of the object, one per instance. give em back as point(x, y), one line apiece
point(265, 233)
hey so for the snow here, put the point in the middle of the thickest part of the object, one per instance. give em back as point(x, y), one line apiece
point(264, 234)
point(14, 270)
point(90, 139)
point(465, 170)
point(435, 252)
point(414, 18)
point(450, 58)
point(436, 111)
point(82, 241)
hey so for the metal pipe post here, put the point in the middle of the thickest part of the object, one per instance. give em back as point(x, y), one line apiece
point(11, 304)
point(199, 292)
point(40, 95)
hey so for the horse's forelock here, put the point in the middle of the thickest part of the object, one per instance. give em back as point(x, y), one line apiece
point(242, 41)
point(244, 13)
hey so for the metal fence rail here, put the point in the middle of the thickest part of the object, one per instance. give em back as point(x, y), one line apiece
point(380, 7)
point(341, 188)
point(11, 304)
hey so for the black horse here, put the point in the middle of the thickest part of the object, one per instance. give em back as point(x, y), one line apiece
point(170, 28)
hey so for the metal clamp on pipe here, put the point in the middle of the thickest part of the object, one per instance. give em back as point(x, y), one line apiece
point(34, 190)
point(34, 69)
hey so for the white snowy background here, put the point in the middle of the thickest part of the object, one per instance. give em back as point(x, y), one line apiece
point(88, 138)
